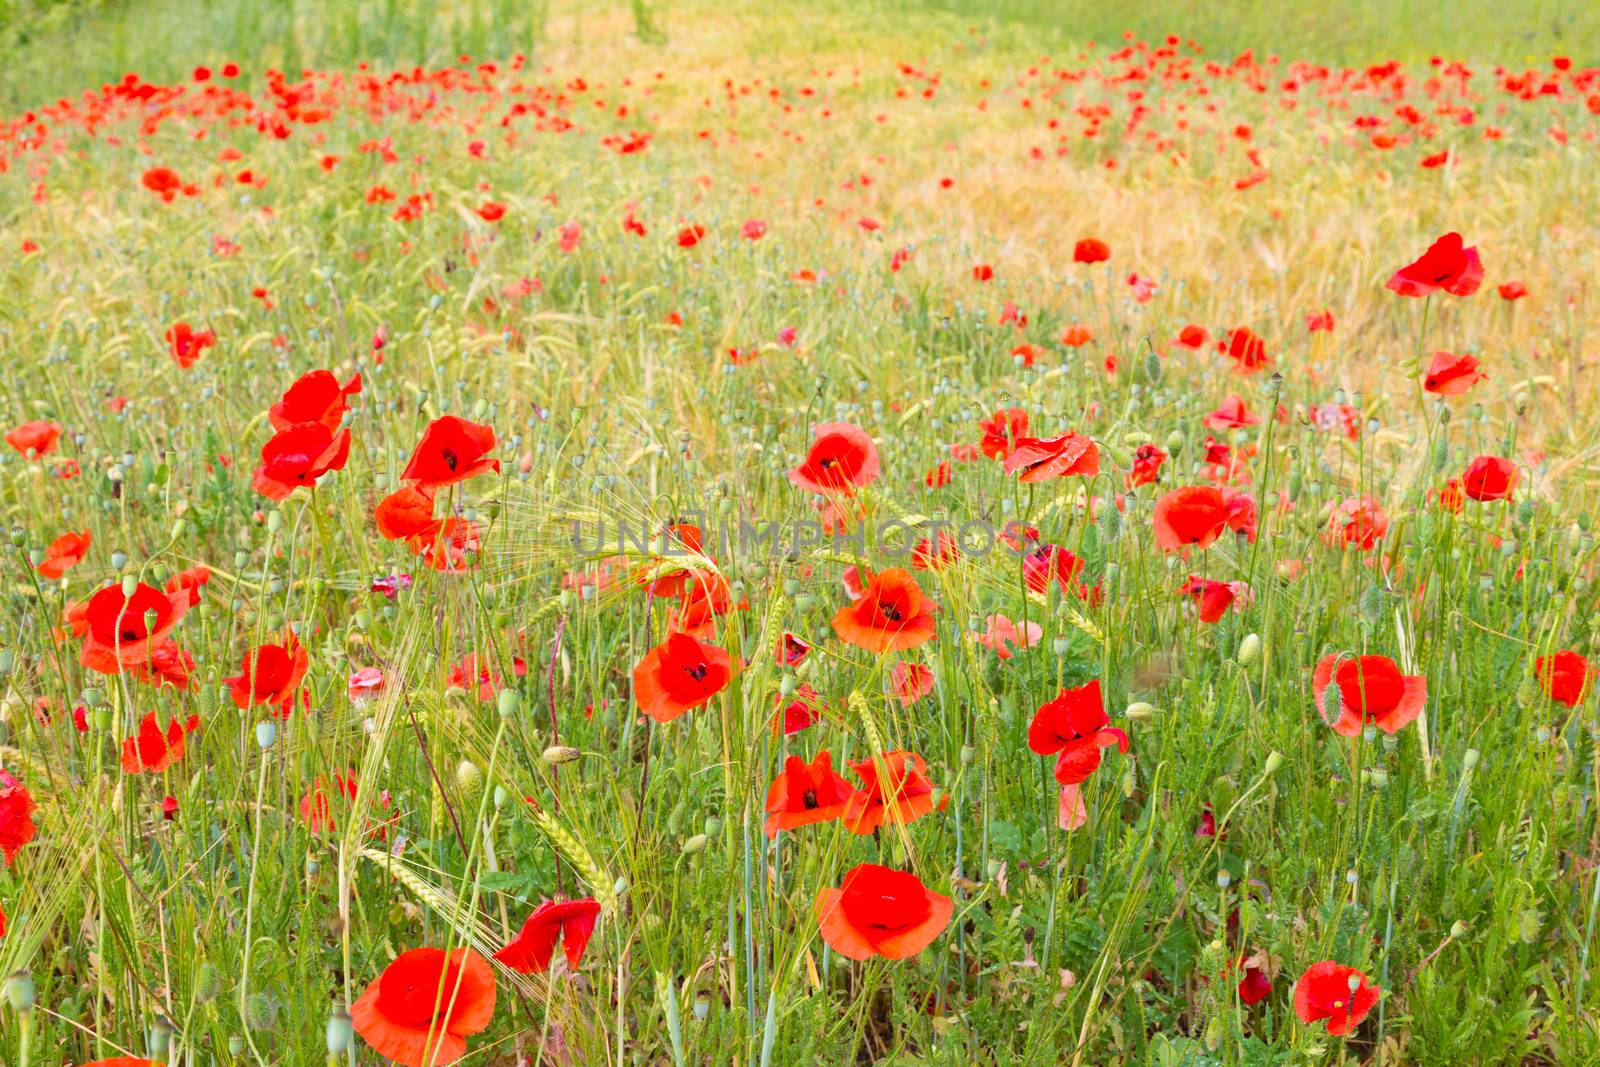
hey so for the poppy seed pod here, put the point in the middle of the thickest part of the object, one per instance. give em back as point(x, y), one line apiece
point(506, 702)
point(1274, 761)
point(340, 1032)
point(19, 992)
point(266, 734)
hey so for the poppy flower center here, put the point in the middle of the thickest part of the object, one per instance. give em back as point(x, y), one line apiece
point(890, 610)
point(697, 672)
point(450, 458)
point(809, 799)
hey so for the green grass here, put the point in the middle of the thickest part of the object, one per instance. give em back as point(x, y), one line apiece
point(1452, 862)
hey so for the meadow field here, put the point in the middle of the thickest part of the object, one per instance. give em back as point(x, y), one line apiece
point(893, 532)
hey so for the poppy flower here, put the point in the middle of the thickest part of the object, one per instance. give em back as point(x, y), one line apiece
point(1146, 466)
point(1212, 599)
point(1320, 322)
point(890, 615)
point(185, 343)
point(1090, 250)
point(1359, 521)
point(935, 554)
point(165, 665)
point(1231, 414)
point(572, 921)
point(679, 674)
point(1191, 517)
point(315, 810)
point(1450, 375)
point(910, 682)
point(272, 676)
point(1191, 337)
point(982, 273)
point(1512, 290)
point(1002, 633)
point(315, 396)
point(797, 712)
point(1002, 430)
point(901, 794)
point(298, 457)
point(153, 750)
point(1447, 264)
point(451, 450)
point(190, 581)
point(1371, 689)
point(842, 459)
point(1326, 991)
point(792, 651)
point(1246, 349)
point(879, 911)
point(690, 236)
point(36, 439)
point(1255, 986)
point(425, 1005)
point(491, 211)
point(1076, 336)
point(806, 793)
point(1038, 459)
point(1074, 727)
point(16, 816)
point(1053, 564)
point(120, 630)
point(1564, 677)
point(64, 553)
point(406, 513)
point(1490, 478)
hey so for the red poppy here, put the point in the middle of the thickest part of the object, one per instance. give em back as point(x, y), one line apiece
point(272, 676)
point(1371, 689)
point(152, 750)
point(1074, 727)
point(36, 439)
point(1076, 336)
point(1052, 564)
point(572, 921)
point(679, 674)
point(891, 615)
point(1246, 349)
point(451, 450)
point(806, 793)
point(1191, 337)
point(64, 553)
point(1039, 459)
point(406, 513)
point(1212, 599)
point(982, 273)
point(1231, 414)
point(1320, 322)
point(791, 650)
point(492, 211)
point(1512, 290)
point(165, 665)
point(842, 459)
point(690, 236)
point(1326, 991)
point(1564, 677)
point(1450, 375)
point(1447, 265)
point(423, 1007)
point(901, 794)
point(315, 810)
point(799, 711)
point(446, 546)
point(1194, 516)
point(16, 817)
point(1146, 467)
point(316, 396)
point(163, 181)
point(1090, 250)
point(120, 630)
point(1359, 521)
point(1002, 430)
point(910, 682)
point(1255, 986)
point(935, 554)
point(189, 582)
point(878, 911)
point(185, 344)
point(298, 457)
point(1490, 478)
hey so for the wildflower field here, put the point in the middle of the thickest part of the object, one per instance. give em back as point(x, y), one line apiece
point(866, 533)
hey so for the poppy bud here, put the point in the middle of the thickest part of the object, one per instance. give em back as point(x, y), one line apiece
point(19, 992)
point(1527, 691)
point(1459, 929)
point(1372, 604)
point(695, 844)
point(274, 521)
point(1249, 649)
point(1139, 711)
point(786, 685)
point(506, 703)
point(36, 556)
point(160, 1038)
point(468, 776)
point(1331, 705)
point(1469, 759)
point(559, 754)
point(340, 1032)
point(208, 982)
point(19, 536)
point(1152, 368)
point(620, 886)
point(260, 1012)
point(1274, 761)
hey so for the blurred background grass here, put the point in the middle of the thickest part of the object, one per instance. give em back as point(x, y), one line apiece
point(51, 48)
